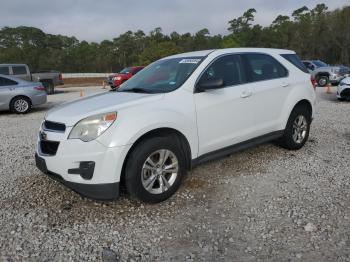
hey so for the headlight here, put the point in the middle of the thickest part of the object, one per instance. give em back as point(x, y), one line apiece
point(92, 127)
point(117, 78)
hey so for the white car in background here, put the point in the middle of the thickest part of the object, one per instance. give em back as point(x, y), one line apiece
point(343, 89)
point(176, 113)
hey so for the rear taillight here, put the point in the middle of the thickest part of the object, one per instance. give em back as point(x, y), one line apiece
point(314, 82)
point(39, 88)
point(60, 77)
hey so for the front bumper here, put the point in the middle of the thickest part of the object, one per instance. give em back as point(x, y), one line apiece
point(89, 168)
point(336, 78)
point(99, 191)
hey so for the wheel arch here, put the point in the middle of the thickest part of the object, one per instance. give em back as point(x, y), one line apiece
point(160, 132)
point(303, 102)
point(322, 74)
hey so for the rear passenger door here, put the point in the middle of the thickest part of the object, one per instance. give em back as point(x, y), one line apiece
point(269, 80)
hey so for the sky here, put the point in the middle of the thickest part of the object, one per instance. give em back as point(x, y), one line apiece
point(96, 20)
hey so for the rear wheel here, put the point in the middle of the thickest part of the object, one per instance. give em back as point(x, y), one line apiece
point(49, 87)
point(20, 105)
point(298, 128)
point(155, 169)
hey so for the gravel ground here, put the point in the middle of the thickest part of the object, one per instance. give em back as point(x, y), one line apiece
point(262, 204)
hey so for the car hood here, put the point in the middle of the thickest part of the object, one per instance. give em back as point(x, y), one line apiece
point(71, 112)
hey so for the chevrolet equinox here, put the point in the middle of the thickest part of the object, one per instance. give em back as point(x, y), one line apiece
point(176, 113)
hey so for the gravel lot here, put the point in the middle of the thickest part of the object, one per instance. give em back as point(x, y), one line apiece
point(265, 203)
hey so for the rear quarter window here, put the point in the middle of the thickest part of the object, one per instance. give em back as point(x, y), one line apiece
point(295, 60)
point(7, 82)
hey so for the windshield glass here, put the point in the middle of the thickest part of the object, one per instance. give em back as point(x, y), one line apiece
point(319, 63)
point(162, 76)
point(125, 71)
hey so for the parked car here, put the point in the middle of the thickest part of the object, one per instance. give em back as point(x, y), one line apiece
point(19, 95)
point(176, 113)
point(115, 80)
point(343, 89)
point(49, 79)
point(325, 74)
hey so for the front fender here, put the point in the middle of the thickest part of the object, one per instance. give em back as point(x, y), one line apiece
point(134, 123)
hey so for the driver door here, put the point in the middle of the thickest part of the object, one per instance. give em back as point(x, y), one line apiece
point(225, 116)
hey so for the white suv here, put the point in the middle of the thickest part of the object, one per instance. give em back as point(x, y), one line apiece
point(176, 113)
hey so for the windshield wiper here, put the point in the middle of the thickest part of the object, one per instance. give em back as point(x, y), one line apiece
point(136, 90)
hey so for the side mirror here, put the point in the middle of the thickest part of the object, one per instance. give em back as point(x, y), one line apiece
point(210, 84)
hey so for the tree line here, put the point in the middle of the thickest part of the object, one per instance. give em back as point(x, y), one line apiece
point(316, 33)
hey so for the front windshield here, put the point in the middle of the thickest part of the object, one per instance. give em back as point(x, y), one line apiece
point(162, 76)
point(319, 63)
point(125, 71)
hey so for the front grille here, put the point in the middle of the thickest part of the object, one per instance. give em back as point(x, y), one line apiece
point(49, 147)
point(53, 126)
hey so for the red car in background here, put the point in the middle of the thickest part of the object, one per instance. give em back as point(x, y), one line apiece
point(115, 80)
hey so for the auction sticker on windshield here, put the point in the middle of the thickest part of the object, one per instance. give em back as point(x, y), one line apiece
point(190, 61)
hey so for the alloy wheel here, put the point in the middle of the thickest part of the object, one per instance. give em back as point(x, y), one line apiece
point(21, 105)
point(159, 171)
point(300, 127)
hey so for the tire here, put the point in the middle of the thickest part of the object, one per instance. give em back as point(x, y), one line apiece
point(20, 105)
point(49, 87)
point(322, 81)
point(297, 130)
point(144, 169)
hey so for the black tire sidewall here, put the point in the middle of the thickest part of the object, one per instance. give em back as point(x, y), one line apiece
point(51, 89)
point(12, 107)
point(135, 163)
point(287, 140)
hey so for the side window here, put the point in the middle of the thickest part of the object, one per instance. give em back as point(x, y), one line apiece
point(228, 68)
point(263, 67)
point(7, 82)
point(309, 65)
point(19, 70)
point(4, 70)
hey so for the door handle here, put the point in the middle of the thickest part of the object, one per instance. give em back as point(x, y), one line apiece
point(285, 85)
point(246, 94)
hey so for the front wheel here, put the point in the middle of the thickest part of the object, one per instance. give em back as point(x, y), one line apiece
point(155, 169)
point(322, 81)
point(297, 130)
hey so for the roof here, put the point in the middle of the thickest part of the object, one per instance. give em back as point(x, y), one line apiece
point(13, 65)
point(233, 50)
